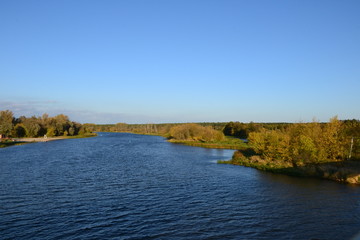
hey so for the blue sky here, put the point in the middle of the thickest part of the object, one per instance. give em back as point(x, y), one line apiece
point(181, 61)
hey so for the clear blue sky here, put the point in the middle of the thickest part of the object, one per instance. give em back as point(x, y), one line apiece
point(181, 60)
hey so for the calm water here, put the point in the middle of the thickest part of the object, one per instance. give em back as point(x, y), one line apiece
point(124, 186)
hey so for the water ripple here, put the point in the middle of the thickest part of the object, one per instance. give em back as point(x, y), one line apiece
point(124, 186)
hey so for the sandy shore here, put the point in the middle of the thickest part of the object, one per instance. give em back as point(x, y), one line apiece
point(37, 139)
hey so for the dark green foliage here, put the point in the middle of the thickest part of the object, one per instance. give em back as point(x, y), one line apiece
point(242, 130)
point(19, 130)
point(236, 129)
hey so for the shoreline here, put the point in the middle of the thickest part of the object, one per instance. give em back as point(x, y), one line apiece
point(22, 141)
point(347, 172)
point(30, 140)
point(207, 145)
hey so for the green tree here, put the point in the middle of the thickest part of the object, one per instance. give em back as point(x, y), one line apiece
point(32, 126)
point(333, 140)
point(50, 132)
point(71, 131)
point(6, 122)
point(19, 130)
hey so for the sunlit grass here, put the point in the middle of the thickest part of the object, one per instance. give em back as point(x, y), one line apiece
point(227, 143)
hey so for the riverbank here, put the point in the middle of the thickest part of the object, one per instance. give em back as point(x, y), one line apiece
point(344, 171)
point(28, 140)
point(227, 143)
point(21, 141)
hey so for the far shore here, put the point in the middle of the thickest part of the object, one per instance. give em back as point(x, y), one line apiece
point(38, 139)
point(19, 141)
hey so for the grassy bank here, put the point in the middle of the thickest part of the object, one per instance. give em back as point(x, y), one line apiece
point(86, 135)
point(228, 143)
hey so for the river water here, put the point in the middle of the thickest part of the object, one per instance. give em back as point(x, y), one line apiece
point(126, 186)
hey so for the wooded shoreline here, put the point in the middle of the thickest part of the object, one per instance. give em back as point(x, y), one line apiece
point(314, 149)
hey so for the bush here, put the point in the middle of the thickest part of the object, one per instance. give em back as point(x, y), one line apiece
point(195, 132)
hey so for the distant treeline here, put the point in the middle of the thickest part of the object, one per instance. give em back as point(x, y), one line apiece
point(234, 129)
point(162, 129)
point(242, 130)
point(59, 125)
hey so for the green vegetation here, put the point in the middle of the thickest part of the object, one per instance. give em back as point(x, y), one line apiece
point(234, 129)
point(242, 130)
point(199, 136)
point(6, 122)
point(327, 150)
point(303, 143)
point(34, 127)
point(162, 129)
point(226, 143)
point(195, 132)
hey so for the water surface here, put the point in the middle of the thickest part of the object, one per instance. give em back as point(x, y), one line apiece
point(125, 186)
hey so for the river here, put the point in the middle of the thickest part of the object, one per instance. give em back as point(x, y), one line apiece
point(126, 186)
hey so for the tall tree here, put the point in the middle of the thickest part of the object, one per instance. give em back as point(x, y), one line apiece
point(6, 122)
point(32, 126)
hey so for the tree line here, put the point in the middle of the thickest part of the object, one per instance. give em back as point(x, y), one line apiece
point(59, 125)
point(162, 129)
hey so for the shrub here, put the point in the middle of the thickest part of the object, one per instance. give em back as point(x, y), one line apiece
point(195, 132)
